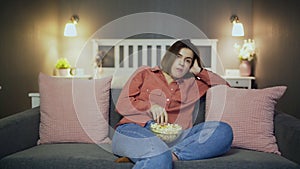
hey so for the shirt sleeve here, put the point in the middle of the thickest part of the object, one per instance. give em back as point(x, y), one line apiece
point(210, 78)
point(128, 102)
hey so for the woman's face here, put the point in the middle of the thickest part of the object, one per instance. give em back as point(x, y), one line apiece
point(182, 63)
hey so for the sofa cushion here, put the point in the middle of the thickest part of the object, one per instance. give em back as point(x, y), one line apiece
point(287, 132)
point(92, 156)
point(63, 156)
point(241, 159)
point(74, 110)
point(249, 112)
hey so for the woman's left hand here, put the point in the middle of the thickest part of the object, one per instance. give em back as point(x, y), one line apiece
point(195, 69)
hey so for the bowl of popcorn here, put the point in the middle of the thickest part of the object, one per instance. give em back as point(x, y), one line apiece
point(167, 132)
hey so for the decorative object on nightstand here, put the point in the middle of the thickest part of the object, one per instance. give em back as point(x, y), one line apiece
point(246, 54)
point(77, 72)
point(63, 66)
point(99, 63)
point(245, 68)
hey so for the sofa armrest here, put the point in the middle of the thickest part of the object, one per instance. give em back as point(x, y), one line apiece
point(287, 132)
point(19, 131)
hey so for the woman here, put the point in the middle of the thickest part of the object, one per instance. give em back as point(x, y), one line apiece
point(167, 94)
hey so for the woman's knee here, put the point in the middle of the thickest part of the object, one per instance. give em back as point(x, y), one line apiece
point(136, 142)
point(225, 131)
point(226, 128)
point(221, 131)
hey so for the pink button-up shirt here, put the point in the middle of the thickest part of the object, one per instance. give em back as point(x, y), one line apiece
point(148, 86)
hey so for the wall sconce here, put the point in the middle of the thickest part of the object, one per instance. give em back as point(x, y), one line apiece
point(70, 28)
point(237, 28)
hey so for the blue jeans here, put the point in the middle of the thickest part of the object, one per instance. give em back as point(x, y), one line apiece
point(204, 140)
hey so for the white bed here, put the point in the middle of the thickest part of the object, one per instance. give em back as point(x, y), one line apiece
point(126, 55)
point(129, 54)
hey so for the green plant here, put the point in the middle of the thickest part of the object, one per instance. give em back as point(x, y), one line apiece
point(62, 63)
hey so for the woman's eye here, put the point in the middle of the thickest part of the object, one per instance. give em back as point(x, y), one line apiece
point(188, 61)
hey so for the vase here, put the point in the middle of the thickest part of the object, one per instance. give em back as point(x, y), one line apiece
point(64, 72)
point(245, 68)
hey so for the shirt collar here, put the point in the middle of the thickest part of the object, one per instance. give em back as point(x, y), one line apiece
point(155, 68)
point(158, 69)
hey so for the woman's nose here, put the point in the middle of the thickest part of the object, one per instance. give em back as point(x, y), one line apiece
point(181, 61)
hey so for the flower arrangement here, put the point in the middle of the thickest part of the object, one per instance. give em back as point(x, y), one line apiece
point(62, 63)
point(99, 58)
point(247, 51)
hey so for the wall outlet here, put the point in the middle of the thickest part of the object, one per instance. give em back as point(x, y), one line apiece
point(232, 72)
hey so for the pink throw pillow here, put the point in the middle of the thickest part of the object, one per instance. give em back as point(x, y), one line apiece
point(74, 110)
point(250, 113)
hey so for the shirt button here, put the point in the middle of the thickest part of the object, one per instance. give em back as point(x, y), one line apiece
point(172, 89)
point(168, 100)
point(198, 78)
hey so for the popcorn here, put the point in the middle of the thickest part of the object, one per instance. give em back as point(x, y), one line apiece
point(167, 132)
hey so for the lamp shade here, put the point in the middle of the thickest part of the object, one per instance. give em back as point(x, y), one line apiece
point(237, 29)
point(70, 30)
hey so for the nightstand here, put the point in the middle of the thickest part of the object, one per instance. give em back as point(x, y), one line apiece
point(35, 99)
point(240, 81)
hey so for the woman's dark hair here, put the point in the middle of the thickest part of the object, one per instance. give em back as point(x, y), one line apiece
point(173, 51)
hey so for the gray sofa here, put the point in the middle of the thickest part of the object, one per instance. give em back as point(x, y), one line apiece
point(20, 132)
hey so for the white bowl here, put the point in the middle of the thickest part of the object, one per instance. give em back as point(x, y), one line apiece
point(167, 132)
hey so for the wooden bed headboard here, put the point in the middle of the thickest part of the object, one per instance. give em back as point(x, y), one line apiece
point(123, 56)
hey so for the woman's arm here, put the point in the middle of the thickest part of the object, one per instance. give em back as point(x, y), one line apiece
point(128, 101)
point(210, 78)
point(207, 77)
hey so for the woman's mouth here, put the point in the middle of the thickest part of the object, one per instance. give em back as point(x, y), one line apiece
point(179, 70)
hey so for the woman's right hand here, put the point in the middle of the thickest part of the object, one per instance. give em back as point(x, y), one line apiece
point(196, 68)
point(159, 114)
